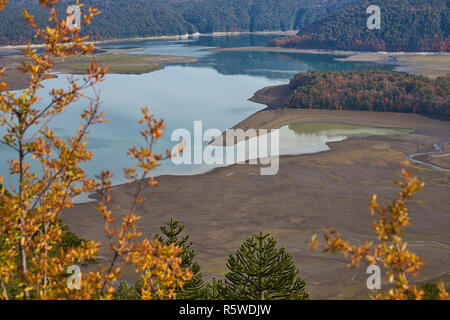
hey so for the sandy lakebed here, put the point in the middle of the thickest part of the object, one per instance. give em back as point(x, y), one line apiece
point(311, 192)
point(118, 62)
point(420, 63)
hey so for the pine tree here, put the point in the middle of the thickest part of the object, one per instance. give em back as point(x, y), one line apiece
point(260, 271)
point(194, 289)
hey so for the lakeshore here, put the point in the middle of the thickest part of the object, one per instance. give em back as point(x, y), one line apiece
point(117, 61)
point(419, 63)
point(311, 192)
point(223, 207)
point(166, 37)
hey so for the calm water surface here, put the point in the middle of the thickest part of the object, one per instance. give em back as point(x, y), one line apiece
point(214, 90)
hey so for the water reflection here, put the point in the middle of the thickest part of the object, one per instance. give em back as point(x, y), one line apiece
point(271, 65)
point(214, 90)
point(304, 138)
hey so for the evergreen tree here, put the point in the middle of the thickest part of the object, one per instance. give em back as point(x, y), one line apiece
point(212, 290)
point(127, 292)
point(128, 19)
point(407, 25)
point(194, 289)
point(260, 271)
point(370, 90)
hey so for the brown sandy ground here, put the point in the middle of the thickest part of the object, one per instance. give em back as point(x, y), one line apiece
point(281, 49)
point(442, 159)
point(275, 98)
point(432, 65)
point(311, 192)
point(118, 62)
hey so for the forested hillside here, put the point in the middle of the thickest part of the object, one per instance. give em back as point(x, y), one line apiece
point(127, 19)
point(256, 15)
point(119, 19)
point(371, 90)
point(406, 25)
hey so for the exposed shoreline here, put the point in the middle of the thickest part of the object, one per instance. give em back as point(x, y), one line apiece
point(432, 64)
point(117, 61)
point(276, 98)
point(222, 207)
point(311, 192)
point(325, 51)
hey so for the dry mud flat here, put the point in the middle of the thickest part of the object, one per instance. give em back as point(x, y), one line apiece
point(118, 62)
point(311, 192)
point(429, 64)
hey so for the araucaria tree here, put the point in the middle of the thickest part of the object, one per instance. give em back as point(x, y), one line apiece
point(47, 174)
point(194, 289)
point(261, 271)
point(171, 235)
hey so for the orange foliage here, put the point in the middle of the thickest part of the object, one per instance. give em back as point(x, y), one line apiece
point(29, 217)
point(391, 250)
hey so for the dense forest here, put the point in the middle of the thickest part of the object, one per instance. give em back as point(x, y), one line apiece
point(406, 25)
point(127, 19)
point(371, 90)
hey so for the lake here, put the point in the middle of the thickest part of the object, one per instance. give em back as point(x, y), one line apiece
point(214, 90)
